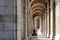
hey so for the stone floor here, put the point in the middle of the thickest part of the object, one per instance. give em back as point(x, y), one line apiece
point(39, 37)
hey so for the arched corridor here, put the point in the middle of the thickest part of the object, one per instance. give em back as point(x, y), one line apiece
point(29, 19)
point(38, 19)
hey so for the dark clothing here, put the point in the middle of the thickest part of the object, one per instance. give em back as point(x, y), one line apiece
point(34, 33)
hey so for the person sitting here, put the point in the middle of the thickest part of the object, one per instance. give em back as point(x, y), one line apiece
point(34, 32)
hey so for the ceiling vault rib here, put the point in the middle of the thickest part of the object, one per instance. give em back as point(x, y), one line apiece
point(38, 7)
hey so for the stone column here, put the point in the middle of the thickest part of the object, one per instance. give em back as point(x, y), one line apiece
point(19, 19)
point(26, 19)
point(47, 20)
point(51, 20)
point(42, 23)
point(45, 25)
point(35, 23)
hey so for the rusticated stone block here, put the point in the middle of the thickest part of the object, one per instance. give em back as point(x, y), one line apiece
point(2, 26)
point(9, 10)
point(8, 18)
point(1, 2)
point(9, 2)
point(10, 26)
point(2, 35)
point(2, 10)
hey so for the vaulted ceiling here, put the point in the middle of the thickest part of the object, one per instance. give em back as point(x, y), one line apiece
point(38, 7)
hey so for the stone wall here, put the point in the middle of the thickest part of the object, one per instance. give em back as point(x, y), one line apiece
point(7, 23)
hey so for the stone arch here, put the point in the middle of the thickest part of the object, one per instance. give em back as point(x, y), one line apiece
point(39, 4)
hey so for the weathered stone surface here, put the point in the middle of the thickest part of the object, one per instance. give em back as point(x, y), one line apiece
point(9, 34)
point(8, 18)
point(9, 10)
point(1, 19)
point(6, 35)
point(2, 10)
point(2, 26)
point(10, 26)
point(9, 2)
point(2, 35)
point(7, 24)
point(1, 2)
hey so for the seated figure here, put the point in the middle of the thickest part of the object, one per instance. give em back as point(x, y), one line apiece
point(34, 32)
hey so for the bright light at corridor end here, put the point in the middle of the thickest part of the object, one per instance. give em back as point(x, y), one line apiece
point(57, 37)
point(39, 32)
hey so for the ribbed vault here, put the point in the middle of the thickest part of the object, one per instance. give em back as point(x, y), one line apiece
point(38, 1)
point(38, 7)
